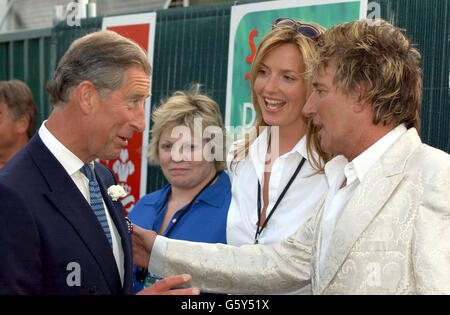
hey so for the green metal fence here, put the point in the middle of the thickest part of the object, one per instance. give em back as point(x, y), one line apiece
point(191, 45)
point(427, 24)
point(25, 56)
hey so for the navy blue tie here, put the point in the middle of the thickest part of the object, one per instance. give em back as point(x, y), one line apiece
point(97, 201)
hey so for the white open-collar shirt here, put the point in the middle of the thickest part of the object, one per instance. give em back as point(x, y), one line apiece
point(338, 170)
point(72, 164)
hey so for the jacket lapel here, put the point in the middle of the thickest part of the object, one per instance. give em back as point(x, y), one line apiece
point(315, 251)
point(368, 200)
point(69, 201)
point(82, 218)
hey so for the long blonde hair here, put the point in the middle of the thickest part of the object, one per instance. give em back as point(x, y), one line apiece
point(306, 46)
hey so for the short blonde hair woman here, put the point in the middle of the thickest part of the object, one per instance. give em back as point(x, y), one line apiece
point(194, 205)
point(184, 109)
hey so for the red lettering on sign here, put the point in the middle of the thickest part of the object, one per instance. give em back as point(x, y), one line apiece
point(251, 43)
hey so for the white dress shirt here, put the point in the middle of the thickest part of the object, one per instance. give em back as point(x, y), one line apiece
point(297, 205)
point(72, 164)
point(339, 169)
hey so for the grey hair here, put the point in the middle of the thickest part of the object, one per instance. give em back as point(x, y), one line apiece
point(102, 58)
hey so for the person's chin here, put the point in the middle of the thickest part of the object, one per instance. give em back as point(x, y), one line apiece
point(110, 155)
point(272, 120)
point(182, 183)
point(325, 146)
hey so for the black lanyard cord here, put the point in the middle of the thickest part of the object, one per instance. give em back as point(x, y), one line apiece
point(188, 206)
point(259, 228)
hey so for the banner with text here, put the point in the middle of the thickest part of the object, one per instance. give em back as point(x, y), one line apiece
point(130, 167)
point(248, 25)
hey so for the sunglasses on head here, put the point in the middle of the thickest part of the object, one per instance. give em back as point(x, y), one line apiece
point(305, 29)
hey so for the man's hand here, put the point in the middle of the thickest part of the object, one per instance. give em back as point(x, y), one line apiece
point(142, 245)
point(162, 287)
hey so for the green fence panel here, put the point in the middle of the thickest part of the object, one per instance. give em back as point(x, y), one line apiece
point(25, 56)
point(191, 45)
point(427, 25)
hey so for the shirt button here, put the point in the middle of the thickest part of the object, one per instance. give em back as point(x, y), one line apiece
point(174, 220)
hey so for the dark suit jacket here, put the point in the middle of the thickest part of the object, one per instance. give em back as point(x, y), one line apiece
point(50, 240)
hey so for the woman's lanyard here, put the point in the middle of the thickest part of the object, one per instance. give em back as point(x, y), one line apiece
point(187, 207)
point(259, 228)
point(141, 273)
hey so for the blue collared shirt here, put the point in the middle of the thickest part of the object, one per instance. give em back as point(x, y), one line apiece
point(205, 221)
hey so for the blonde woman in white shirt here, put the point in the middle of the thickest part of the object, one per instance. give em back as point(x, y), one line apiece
point(276, 188)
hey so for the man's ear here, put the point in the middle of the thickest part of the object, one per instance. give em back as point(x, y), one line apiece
point(361, 100)
point(86, 95)
point(21, 124)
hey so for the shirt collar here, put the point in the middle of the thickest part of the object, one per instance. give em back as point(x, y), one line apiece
point(258, 149)
point(334, 168)
point(214, 194)
point(360, 166)
point(364, 162)
point(68, 160)
point(300, 147)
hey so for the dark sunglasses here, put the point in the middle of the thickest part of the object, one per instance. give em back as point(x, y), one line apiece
point(305, 29)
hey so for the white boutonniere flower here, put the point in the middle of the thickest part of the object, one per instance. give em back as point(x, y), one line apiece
point(116, 192)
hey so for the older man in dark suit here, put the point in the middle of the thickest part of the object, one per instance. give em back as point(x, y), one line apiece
point(61, 232)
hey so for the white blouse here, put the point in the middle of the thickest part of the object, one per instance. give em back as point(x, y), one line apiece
point(295, 208)
point(298, 204)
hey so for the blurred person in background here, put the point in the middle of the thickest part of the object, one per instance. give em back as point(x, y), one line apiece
point(17, 118)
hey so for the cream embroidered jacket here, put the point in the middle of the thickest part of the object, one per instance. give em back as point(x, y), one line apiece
point(393, 237)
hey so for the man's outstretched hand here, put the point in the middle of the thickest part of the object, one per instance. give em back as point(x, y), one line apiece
point(142, 245)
